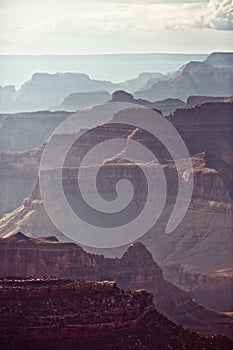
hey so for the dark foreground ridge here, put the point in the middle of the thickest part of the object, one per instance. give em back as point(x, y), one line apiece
point(64, 314)
point(22, 256)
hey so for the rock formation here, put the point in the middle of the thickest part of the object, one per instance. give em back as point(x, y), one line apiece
point(26, 131)
point(140, 82)
point(169, 105)
point(65, 314)
point(221, 59)
point(166, 106)
point(22, 256)
point(200, 125)
point(18, 173)
point(78, 100)
point(7, 95)
point(44, 90)
point(202, 244)
point(213, 77)
point(194, 100)
point(194, 78)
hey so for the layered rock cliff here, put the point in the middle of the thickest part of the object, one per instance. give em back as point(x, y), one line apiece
point(201, 124)
point(24, 256)
point(202, 244)
point(64, 314)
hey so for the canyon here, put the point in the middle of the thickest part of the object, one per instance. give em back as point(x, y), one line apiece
point(43, 91)
point(197, 256)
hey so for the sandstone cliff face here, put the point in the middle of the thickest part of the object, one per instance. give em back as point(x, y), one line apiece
point(65, 314)
point(24, 256)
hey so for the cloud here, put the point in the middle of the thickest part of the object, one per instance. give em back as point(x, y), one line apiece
point(136, 19)
point(219, 15)
point(113, 25)
point(165, 2)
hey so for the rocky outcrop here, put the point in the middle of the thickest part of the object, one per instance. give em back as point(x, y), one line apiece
point(24, 256)
point(195, 78)
point(65, 314)
point(78, 100)
point(166, 106)
point(169, 105)
point(196, 100)
point(213, 178)
point(222, 59)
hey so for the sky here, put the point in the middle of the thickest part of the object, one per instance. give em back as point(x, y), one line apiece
point(115, 26)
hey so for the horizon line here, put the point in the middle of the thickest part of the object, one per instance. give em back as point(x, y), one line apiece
point(115, 53)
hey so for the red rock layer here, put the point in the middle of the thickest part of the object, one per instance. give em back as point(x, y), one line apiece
point(24, 256)
point(65, 314)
